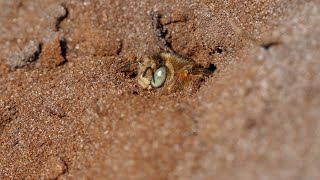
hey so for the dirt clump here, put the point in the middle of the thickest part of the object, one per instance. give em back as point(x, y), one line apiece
point(53, 54)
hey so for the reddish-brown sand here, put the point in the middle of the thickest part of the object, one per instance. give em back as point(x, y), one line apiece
point(67, 113)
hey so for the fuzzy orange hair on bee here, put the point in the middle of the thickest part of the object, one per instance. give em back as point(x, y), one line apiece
point(166, 72)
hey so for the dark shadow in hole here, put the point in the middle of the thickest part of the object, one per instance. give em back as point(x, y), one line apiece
point(132, 75)
point(212, 67)
point(36, 54)
point(64, 48)
point(135, 92)
point(217, 49)
point(268, 45)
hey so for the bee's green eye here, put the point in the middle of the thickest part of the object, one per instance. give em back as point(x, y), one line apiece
point(159, 77)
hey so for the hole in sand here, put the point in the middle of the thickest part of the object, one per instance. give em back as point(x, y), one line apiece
point(216, 50)
point(212, 67)
point(268, 45)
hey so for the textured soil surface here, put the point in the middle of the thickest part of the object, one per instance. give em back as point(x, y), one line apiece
point(67, 113)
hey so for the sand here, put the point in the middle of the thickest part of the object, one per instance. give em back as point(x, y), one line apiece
point(67, 113)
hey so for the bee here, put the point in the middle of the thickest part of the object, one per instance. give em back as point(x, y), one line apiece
point(167, 70)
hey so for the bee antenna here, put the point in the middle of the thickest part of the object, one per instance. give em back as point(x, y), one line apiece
point(127, 66)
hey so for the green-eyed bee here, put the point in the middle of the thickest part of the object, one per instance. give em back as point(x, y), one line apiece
point(166, 71)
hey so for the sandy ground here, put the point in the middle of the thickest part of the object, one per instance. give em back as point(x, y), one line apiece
point(67, 113)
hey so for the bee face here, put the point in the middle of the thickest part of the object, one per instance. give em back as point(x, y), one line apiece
point(167, 72)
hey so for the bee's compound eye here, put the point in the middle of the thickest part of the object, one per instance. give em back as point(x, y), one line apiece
point(159, 77)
